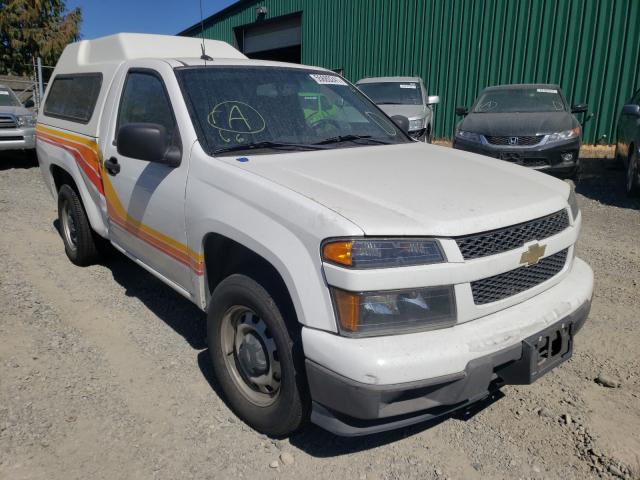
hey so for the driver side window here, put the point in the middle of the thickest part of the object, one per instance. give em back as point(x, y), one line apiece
point(145, 100)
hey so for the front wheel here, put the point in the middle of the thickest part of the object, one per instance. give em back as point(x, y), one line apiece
point(633, 182)
point(78, 237)
point(256, 358)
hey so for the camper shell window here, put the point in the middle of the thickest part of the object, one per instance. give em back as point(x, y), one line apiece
point(73, 97)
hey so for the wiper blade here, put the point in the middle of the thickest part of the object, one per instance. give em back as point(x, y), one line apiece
point(268, 144)
point(352, 138)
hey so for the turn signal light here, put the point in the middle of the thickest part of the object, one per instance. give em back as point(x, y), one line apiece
point(338, 252)
point(348, 307)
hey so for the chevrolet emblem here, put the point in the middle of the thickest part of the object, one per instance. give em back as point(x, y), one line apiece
point(533, 254)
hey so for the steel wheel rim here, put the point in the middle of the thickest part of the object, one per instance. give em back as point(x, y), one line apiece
point(251, 356)
point(69, 229)
point(631, 172)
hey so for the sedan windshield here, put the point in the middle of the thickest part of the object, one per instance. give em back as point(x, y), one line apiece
point(520, 100)
point(392, 93)
point(8, 98)
point(273, 109)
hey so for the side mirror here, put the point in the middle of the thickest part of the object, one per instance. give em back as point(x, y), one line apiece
point(148, 141)
point(462, 111)
point(29, 103)
point(433, 99)
point(579, 108)
point(401, 122)
point(631, 109)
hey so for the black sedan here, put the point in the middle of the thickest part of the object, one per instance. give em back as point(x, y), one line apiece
point(628, 144)
point(527, 124)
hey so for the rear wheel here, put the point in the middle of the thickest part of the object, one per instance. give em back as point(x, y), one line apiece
point(633, 182)
point(256, 357)
point(77, 235)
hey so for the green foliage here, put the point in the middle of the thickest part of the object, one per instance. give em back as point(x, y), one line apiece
point(34, 28)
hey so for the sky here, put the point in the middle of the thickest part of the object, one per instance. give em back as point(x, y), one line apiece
point(104, 17)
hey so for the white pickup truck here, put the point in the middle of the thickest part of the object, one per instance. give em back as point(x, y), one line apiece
point(351, 276)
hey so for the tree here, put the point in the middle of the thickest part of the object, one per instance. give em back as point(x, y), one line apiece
point(34, 28)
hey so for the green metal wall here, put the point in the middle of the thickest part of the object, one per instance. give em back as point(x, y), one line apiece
point(590, 47)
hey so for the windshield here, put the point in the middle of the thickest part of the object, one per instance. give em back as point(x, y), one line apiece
point(267, 107)
point(523, 100)
point(8, 98)
point(393, 93)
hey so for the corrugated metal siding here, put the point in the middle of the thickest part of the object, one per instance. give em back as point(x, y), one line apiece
point(590, 47)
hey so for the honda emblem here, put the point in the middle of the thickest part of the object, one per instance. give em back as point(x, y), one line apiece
point(513, 140)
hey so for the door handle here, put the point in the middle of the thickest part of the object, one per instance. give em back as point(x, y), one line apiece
point(112, 166)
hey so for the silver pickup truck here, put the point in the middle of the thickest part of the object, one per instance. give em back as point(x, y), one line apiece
point(17, 122)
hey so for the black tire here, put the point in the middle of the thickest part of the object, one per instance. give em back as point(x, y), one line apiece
point(291, 406)
point(632, 183)
point(428, 136)
point(77, 235)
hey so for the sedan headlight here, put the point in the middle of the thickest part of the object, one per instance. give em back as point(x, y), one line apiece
point(416, 124)
point(566, 135)
point(394, 312)
point(469, 136)
point(26, 120)
point(382, 253)
point(573, 205)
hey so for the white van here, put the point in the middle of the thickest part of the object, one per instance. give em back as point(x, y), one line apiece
point(351, 276)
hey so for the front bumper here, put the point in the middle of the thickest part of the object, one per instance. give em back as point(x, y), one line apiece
point(18, 139)
point(457, 366)
point(546, 157)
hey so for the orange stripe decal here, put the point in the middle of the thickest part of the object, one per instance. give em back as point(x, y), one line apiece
point(88, 157)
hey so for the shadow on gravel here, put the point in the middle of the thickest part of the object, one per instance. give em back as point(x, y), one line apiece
point(172, 308)
point(18, 159)
point(603, 180)
point(319, 443)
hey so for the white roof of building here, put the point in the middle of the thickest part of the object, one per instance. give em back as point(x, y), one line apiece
point(128, 46)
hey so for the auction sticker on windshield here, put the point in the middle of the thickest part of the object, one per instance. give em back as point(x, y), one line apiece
point(408, 85)
point(547, 90)
point(327, 79)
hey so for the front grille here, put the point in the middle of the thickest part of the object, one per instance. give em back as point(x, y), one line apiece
point(7, 121)
point(524, 141)
point(504, 239)
point(515, 281)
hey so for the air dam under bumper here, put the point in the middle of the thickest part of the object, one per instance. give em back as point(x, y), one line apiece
point(350, 408)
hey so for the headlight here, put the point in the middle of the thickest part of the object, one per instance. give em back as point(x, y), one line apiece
point(382, 253)
point(416, 124)
point(573, 204)
point(26, 120)
point(394, 312)
point(470, 136)
point(566, 135)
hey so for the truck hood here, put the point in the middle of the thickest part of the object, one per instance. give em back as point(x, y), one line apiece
point(409, 111)
point(414, 188)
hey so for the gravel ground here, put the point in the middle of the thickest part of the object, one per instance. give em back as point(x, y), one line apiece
point(104, 374)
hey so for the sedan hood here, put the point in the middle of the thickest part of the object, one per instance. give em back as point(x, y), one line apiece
point(517, 124)
point(414, 189)
point(409, 111)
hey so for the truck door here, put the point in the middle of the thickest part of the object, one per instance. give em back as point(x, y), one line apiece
point(145, 199)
